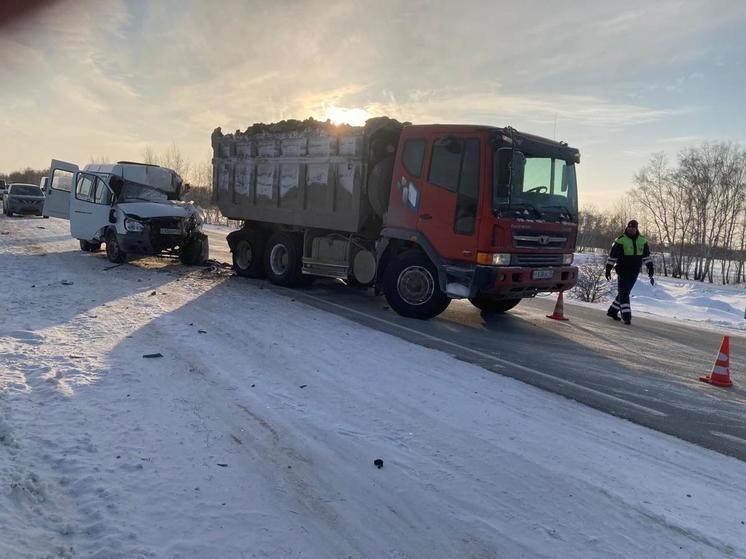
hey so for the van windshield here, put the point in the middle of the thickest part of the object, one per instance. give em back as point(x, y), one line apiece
point(135, 191)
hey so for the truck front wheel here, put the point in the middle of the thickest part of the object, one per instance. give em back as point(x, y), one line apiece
point(248, 255)
point(283, 259)
point(489, 303)
point(411, 286)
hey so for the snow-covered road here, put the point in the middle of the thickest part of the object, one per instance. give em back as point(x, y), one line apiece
point(254, 434)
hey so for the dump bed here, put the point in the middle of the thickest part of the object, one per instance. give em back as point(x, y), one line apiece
point(305, 174)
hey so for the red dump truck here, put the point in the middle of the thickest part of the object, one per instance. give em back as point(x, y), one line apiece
point(423, 213)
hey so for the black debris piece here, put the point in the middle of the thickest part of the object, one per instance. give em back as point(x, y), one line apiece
point(66, 282)
point(152, 355)
point(151, 294)
point(378, 463)
point(201, 331)
point(303, 385)
point(223, 465)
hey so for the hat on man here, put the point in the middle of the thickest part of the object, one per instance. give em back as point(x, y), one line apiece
point(632, 223)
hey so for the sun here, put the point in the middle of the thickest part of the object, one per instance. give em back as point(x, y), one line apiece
point(343, 115)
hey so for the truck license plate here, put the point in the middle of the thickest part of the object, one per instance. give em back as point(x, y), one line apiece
point(165, 231)
point(542, 274)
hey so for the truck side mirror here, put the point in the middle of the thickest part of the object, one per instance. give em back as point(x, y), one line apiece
point(503, 162)
point(568, 176)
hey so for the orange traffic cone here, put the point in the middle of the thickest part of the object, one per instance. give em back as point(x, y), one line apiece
point(559, 309)
point(720, 375)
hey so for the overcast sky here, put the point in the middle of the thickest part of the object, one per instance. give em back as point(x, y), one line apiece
point(103, 79)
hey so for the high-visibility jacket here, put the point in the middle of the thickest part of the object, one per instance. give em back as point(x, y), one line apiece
point(628, 254)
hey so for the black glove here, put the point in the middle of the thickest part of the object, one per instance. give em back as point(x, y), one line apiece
point(608, 273)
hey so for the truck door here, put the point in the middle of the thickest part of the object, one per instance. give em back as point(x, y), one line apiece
point(449, 202)
point(59, 187)
point(90, 206)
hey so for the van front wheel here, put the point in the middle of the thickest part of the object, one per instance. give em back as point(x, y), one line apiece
point(114, 251)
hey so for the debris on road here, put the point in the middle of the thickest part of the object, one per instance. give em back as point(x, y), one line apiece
point(66, 282)
point(152, 355)
point(378, 463)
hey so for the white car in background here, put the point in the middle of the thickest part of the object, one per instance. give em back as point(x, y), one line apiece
point(133, 208)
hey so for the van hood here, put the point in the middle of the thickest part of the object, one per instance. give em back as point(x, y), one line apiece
point(145, 210)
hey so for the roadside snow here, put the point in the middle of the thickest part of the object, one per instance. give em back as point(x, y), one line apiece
point(255, 434)
point(708, 305)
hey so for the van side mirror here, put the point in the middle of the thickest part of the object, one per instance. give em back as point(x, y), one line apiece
point(112, 216)
point(116, 184)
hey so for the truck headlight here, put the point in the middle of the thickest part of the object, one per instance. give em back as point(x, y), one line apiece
point(133, 225)
point(567, 259)
point(493, 258)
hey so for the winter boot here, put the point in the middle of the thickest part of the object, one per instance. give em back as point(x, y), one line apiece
point(613, 314)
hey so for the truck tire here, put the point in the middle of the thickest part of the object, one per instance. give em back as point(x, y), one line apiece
point(248, 254)
point(114, 252)
point(89, 247)
point(411, 286)
point(283, 259)
point(195, 251)
point(488, 303)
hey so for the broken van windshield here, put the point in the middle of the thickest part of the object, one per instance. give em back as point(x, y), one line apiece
point(136, 191)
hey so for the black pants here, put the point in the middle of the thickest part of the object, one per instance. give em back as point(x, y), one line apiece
point(625, 282)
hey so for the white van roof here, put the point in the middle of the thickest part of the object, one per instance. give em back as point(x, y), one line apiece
point(153, 175)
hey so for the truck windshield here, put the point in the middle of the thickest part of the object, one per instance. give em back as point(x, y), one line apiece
point(135, 191)
point(543, 187)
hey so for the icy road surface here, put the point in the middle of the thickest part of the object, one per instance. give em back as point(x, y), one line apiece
point(254, 434)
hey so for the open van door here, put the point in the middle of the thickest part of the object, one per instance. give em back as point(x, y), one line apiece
point(59, 186)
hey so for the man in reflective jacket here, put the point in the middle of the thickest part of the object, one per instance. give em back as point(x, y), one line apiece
point(628, 253)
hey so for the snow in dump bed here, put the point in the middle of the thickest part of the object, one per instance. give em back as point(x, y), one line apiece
point(254, 433)
point(709, 305)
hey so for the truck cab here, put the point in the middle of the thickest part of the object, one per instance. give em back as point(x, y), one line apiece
point(132, 208)
point(494, 210)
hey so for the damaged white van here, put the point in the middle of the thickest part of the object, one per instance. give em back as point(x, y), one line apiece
point(132, 208)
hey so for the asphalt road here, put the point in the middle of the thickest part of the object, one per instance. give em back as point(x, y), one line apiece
point(647, 372)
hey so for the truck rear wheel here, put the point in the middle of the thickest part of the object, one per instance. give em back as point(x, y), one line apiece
point(411, 286)
point(114, 252)
point(283, 259)
point(489, 303)
point(195, 251)
point(248, 254)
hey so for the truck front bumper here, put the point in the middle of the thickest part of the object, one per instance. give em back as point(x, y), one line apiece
point(516, 282)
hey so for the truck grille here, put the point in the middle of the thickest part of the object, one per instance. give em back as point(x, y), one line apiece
point(545, 239)
point(536, 260)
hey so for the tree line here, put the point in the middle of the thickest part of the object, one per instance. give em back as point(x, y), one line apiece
point(692, 209)
point(26, 176)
